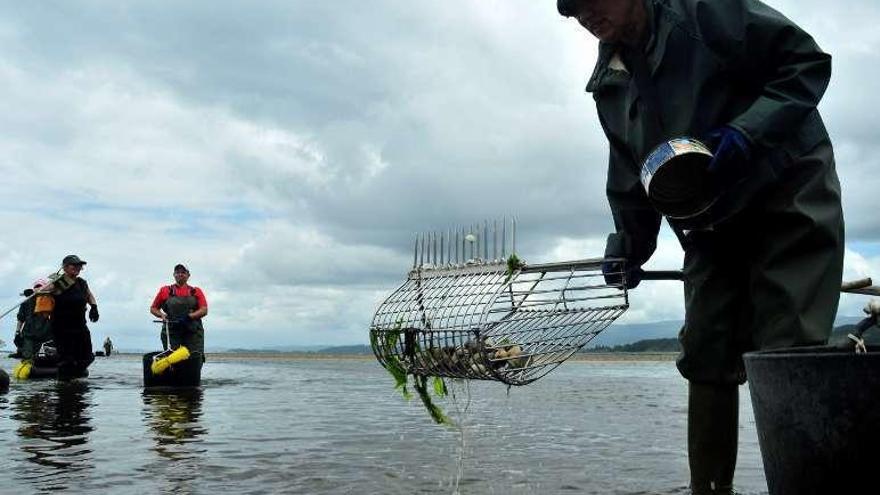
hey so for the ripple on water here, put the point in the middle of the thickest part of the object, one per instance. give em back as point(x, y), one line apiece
point(339, 427)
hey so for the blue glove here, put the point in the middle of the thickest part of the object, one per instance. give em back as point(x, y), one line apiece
point(614, 274)
point(732, 152)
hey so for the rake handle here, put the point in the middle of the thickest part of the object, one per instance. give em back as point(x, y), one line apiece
point(860, 286)
point(663, 275)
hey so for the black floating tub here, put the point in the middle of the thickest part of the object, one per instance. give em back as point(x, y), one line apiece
point(44, 367)
point(187, 373)
point(817, 413)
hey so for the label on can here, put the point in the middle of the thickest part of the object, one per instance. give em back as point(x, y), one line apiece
point(655, 160)
point(665, 152)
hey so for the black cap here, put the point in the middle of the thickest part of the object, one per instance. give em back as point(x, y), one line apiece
point(568, 8)
point(72, 259)
point(180, 268)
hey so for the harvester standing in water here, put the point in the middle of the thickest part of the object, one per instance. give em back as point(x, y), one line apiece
point(764, 258)
point(180, 307)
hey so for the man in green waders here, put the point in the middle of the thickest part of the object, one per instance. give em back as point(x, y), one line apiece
point(182, 307)
point(763, 267)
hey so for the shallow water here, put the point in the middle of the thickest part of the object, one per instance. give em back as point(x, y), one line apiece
point(337, 426)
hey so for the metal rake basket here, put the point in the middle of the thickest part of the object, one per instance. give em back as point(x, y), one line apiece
point(464, 314)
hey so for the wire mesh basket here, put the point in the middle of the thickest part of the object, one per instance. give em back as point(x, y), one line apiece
point(491, 320)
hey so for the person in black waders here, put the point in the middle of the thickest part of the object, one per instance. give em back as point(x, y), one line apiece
point(73, 342)
point(182, 307)
point(33, 325)
point(762, 268)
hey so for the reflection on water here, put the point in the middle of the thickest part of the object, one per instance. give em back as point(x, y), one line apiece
point(173, 417)
point(54, 424)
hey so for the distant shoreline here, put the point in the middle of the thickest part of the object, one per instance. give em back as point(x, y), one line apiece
point(314, 356)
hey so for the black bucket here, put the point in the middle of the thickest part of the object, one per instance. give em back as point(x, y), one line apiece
point(187, 373)
point(817, 412)
point(44, 367)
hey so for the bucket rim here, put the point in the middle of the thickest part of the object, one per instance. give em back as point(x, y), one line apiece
point(814, 351)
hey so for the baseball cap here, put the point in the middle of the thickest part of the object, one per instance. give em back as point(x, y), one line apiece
point(72, 259)
point(180, 268)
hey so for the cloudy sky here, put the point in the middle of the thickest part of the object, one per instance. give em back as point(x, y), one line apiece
point(287, 151)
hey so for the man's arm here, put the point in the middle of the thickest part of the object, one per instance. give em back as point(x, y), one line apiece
point(202, 311)
point(783, 60)
point(21, 316)
point(157, 303)
point(636, 221)
point(93, 311)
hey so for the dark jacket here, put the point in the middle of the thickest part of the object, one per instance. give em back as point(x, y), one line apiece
point(710, 63)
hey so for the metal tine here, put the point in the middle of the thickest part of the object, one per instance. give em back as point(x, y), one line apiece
point(422, 250)
point(463, 246)
point(479, 231)
point(475, 246)
point(513, 242)
point(416, 253)
point(478, 243)
point(446, 247)
point(495, 240)
point(449, 245)
point(466, 245)
point(504, 238)
point(442, 250)
point(434, 248)
point(485, 239)
point(471, 243)
point(473, 253)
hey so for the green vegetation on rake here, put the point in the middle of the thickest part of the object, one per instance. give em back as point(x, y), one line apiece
point(401, 377)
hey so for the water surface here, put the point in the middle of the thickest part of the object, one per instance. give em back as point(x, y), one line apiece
point(337, 426)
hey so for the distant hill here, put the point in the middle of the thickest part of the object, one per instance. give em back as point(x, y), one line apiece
point(340, 349)
point(838, 336)
point(346, 349)
point(618, 335)
point(649, 345)
point(238, 350)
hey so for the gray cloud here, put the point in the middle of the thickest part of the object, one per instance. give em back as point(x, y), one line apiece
point(290, 150)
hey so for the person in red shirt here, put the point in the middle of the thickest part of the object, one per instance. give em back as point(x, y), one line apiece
point(182, 307)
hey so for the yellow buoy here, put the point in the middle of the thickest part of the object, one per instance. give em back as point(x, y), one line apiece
point(22, 370)
point(161, 364)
